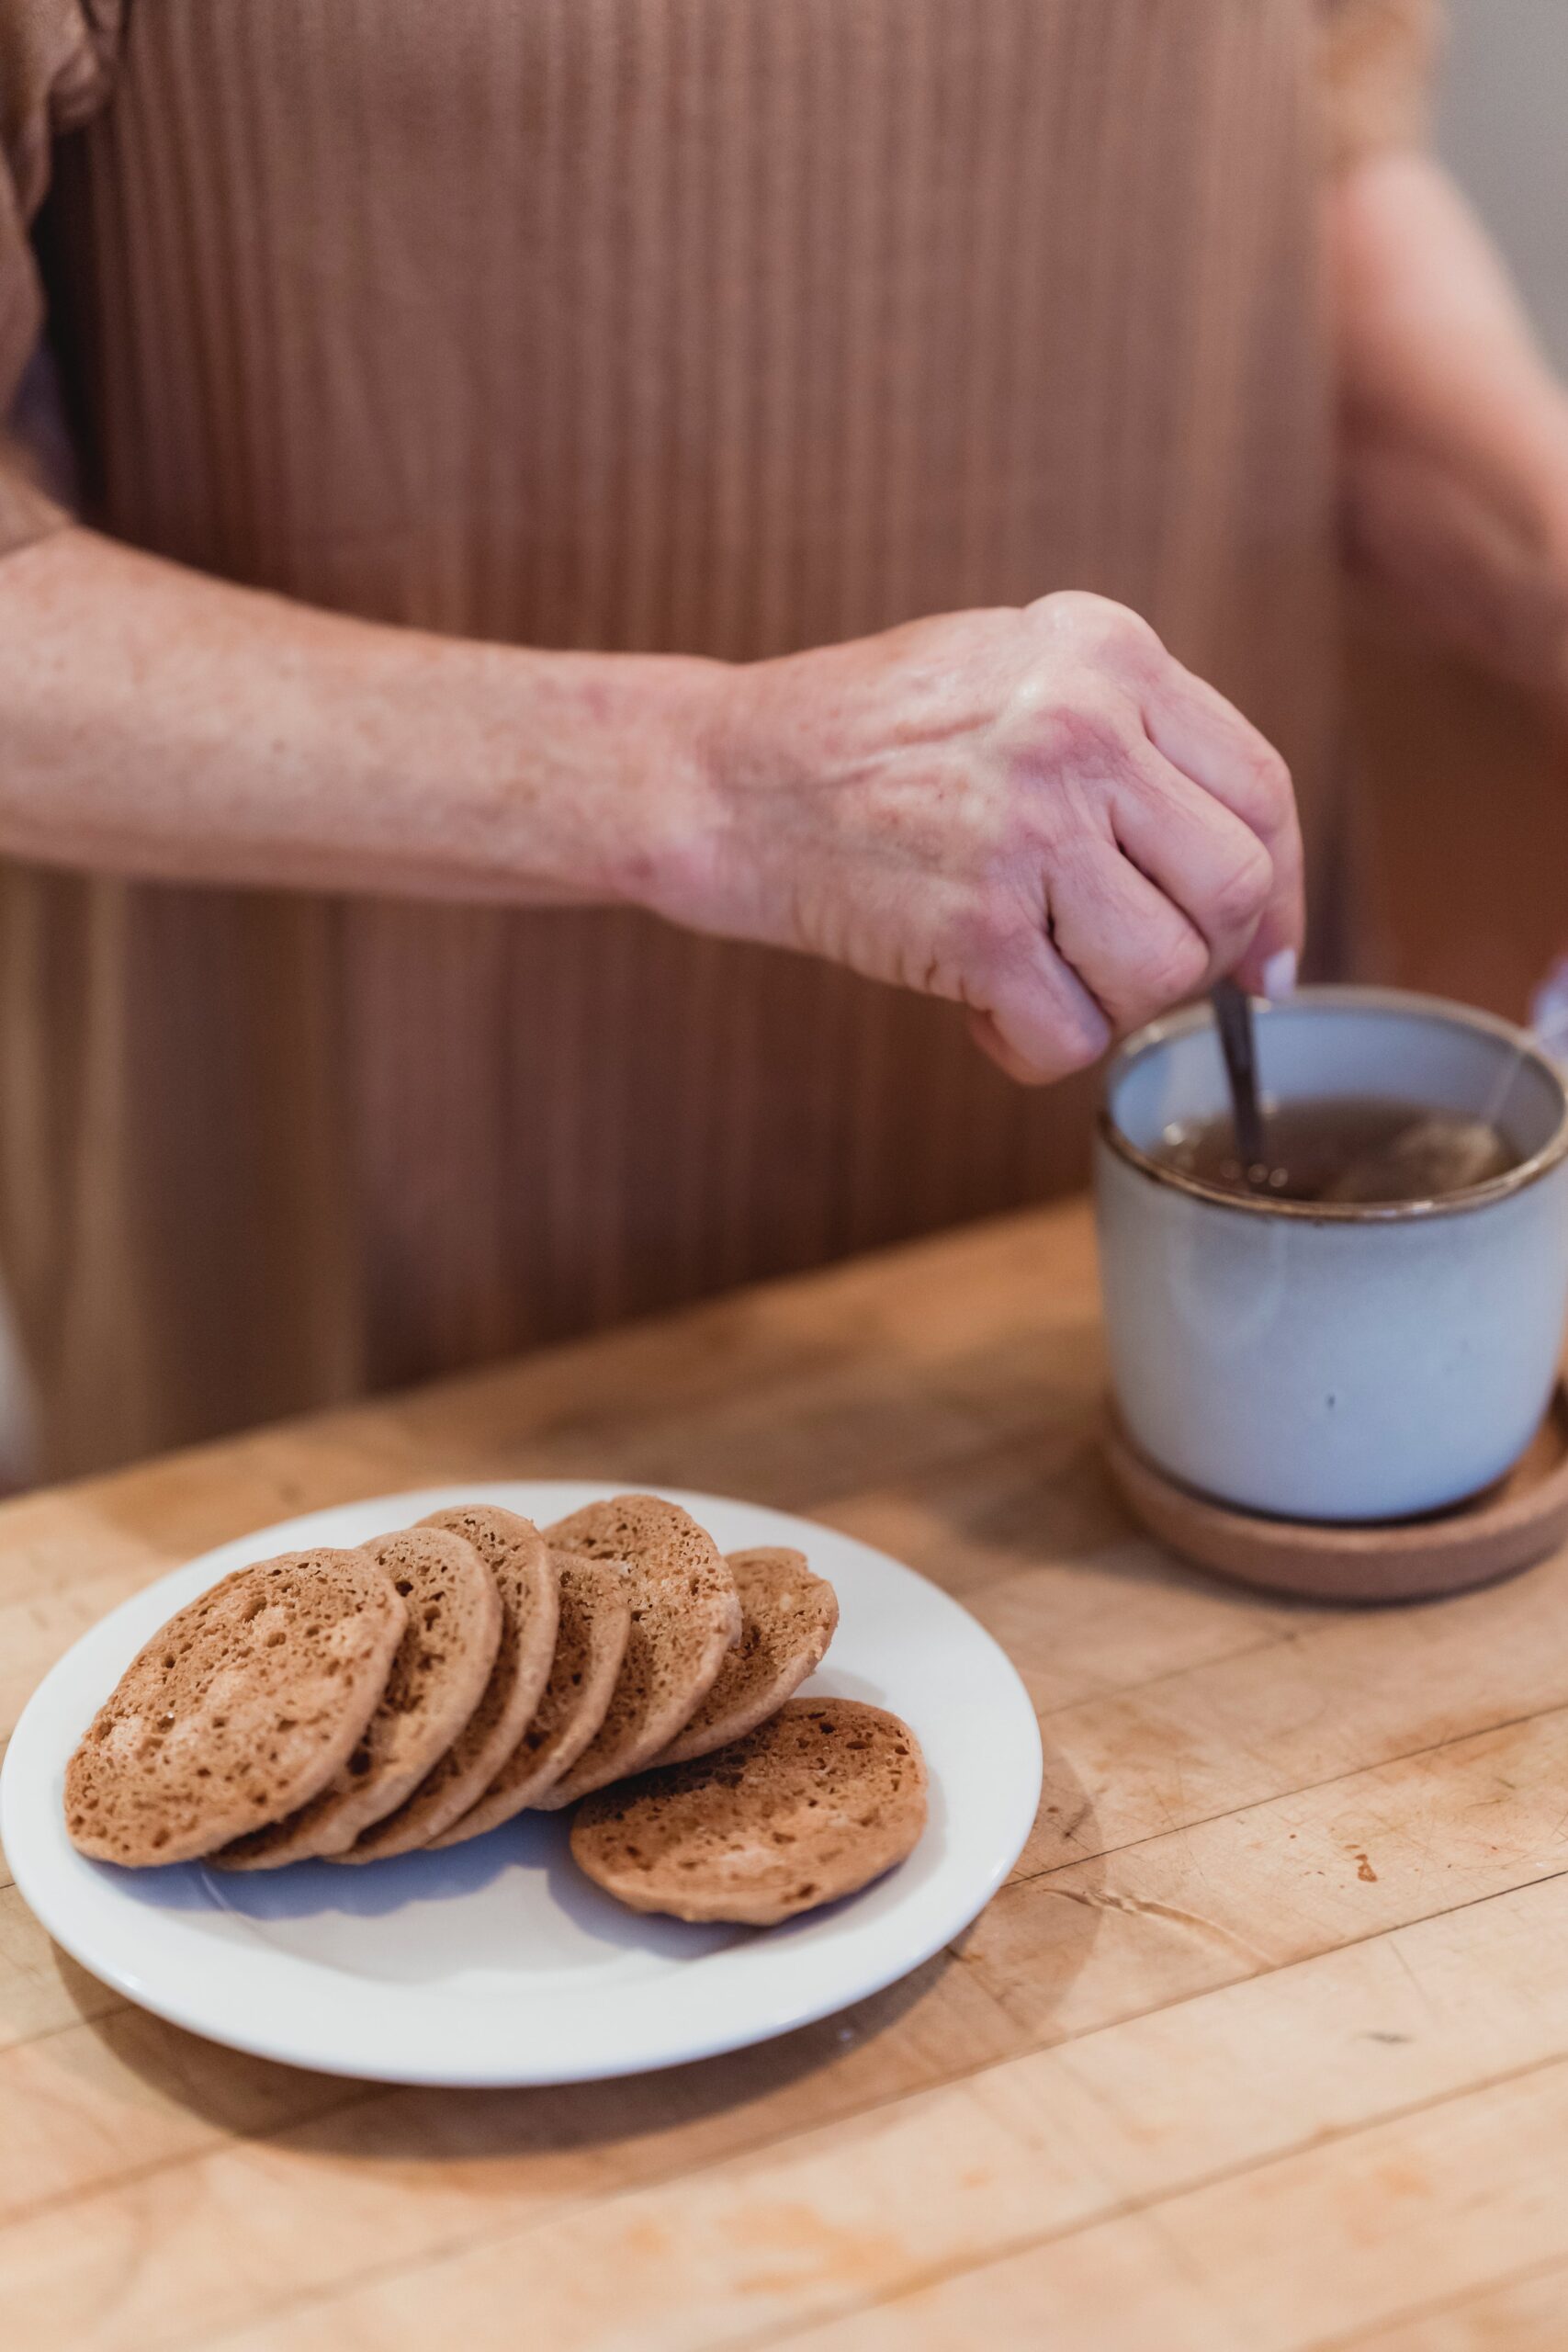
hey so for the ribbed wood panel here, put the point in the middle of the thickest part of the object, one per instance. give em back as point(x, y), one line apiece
point(719, 325)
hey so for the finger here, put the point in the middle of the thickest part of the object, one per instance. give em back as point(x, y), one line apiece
point(1207, 738)
point(1203, 859)
point(1133, 951)
point(1000, 1049)
point(1038, 1021)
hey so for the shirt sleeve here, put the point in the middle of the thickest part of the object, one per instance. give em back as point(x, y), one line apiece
point(55, 59)
point(1377, 63)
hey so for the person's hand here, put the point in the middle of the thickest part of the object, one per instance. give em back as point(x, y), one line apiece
point(1453, 452)
point(1037, 813)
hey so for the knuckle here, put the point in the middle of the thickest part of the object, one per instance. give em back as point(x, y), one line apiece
point(1059, 609)
point(1099, 624)
point(1241, 892)
point(1271, 779)
point(1078, 735)
point(1171, 967)
point(983, 946)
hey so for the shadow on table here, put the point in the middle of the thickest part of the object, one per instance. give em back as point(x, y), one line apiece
point(1046, 1500)
point(993, 1994)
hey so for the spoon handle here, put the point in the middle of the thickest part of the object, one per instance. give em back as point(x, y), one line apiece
point(1232, 1017)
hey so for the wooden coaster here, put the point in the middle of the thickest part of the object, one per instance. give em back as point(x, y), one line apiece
point(1518, 1521)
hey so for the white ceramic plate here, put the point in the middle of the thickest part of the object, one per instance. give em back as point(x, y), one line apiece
point(498, 1962)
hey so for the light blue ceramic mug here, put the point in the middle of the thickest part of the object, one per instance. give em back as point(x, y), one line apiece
point(1347, 1361)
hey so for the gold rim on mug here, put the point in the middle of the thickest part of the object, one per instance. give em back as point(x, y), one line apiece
point(1407, 1000)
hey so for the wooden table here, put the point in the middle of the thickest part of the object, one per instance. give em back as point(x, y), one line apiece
point(1264, 2047)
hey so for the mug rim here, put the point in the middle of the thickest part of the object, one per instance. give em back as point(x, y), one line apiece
point(1333, 996)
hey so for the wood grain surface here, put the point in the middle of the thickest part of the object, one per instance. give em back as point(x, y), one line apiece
point(1263, 2047)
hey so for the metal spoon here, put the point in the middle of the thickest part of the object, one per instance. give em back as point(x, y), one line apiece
point(1233, 1018)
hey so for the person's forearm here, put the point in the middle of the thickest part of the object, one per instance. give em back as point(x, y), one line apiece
point(1034, 812)
point(157, 722)
point(1431, 328)
point(1454, 431)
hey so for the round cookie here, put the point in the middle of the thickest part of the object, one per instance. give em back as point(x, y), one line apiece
point(815, 1803)
point(787, 1618)
point(595, 1618)
point(516, 1555)
point(242, 1707)
point(684, 1618)
point(437, 1674)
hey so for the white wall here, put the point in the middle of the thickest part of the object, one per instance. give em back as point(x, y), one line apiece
point(1503, 125)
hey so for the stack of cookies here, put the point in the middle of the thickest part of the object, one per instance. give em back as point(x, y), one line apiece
point(428, 1686)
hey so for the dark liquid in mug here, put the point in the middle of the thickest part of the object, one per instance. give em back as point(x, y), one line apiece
point(1347, 1147)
